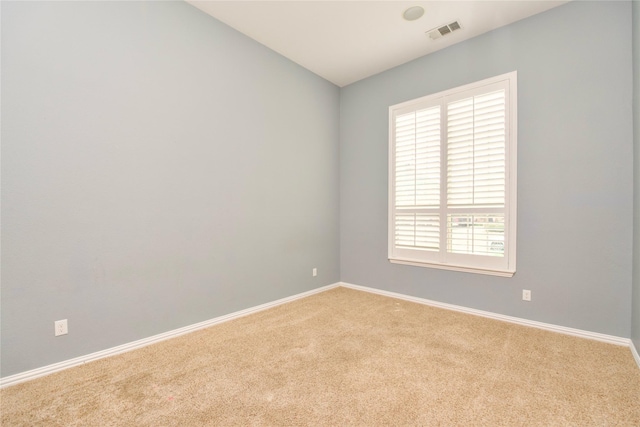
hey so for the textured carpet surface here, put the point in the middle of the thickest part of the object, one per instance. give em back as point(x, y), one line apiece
point(344, 357)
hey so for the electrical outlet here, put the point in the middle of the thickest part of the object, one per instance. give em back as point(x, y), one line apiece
point(314, 272)
point(61, 327)
point(526, 295)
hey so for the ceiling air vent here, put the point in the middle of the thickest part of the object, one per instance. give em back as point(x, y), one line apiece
point(443, 30)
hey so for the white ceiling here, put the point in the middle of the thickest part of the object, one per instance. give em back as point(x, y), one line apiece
point(345, 41)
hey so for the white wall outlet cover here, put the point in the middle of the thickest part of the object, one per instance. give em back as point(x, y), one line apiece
point(61, 327)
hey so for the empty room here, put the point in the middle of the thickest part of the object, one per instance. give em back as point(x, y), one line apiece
point(288, 213)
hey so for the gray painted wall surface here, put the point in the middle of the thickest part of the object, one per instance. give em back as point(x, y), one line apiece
point(575, 169)
point(151, 178)
point(635, 314)
point(158, 169)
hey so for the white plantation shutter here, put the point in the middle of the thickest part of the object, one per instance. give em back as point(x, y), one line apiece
point(415, 230)
point(417, 179)
point(476, 151)
point(452, 178)
point(417, 166)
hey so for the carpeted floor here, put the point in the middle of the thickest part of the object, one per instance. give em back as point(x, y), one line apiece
point(344, 357)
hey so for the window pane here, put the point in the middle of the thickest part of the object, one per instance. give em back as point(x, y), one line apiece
point(476, 234)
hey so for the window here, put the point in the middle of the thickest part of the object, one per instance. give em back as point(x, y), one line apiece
point(452, 179)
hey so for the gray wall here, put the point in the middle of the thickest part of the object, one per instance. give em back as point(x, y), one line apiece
point(158, 169)
point(575, 169)
point(635, 318)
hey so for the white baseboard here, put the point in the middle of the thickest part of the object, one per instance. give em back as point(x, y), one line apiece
point(634, 351)
point(517, 320)
point(56, 367)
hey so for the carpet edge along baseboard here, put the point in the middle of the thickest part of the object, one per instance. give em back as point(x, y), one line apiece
point(60, 366)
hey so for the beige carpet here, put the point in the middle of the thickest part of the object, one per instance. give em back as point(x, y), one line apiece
point(344, 357)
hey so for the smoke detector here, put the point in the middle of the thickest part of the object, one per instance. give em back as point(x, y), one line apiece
point(443, 30)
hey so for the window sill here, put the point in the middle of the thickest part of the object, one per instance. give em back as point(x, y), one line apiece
point(500, 273)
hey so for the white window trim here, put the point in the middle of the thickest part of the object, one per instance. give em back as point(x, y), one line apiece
point(510, 182)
